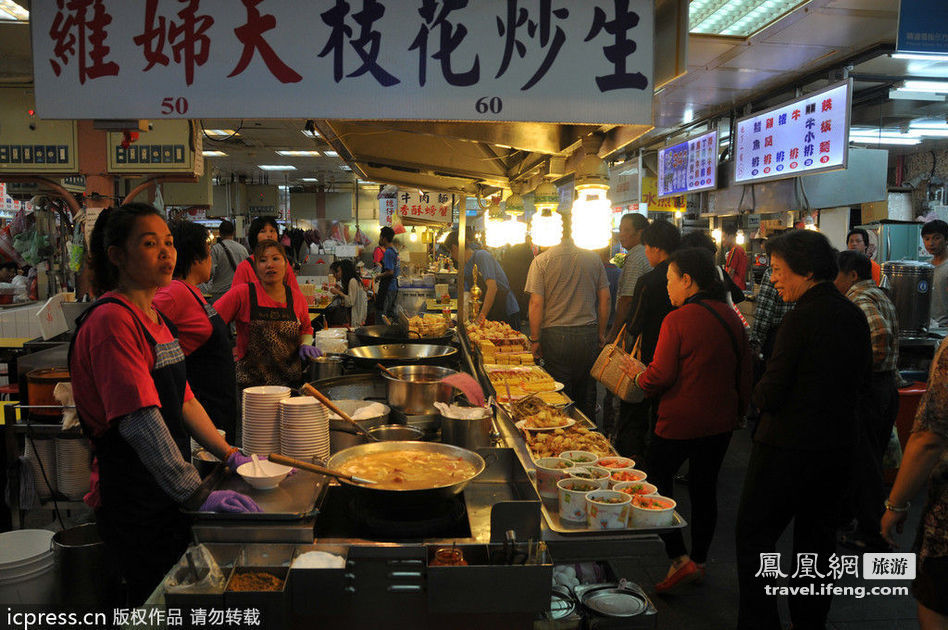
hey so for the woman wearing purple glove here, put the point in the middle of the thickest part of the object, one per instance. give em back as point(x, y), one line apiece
point(273, 327)
point(134, 402)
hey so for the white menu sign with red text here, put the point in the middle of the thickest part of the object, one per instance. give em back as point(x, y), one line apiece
point(490, 60)
point(424, 206)
point(806, 136)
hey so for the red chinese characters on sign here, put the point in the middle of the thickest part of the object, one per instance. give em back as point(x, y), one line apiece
point(251, 36)
point(826, 126)
point(827, 105)
point(825, 147)
point(188, 38)
point(78, 35)
point(425, 206)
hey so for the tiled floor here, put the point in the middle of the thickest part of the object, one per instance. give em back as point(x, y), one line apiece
point(712, 604)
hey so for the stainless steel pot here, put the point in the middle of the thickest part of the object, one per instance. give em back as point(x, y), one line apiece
point(416, 388)
point(471, 434)
point(401, 353)
point(397, 433)
point(385, 496)
point(325, 367)
point(342, 435)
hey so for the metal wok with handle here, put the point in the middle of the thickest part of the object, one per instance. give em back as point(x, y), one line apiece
point(380, 333)
point(402, 354)
point(392, 497)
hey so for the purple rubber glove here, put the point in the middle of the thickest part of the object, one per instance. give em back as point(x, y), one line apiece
point(229, 501)
point(310, 352)
point(236, 459)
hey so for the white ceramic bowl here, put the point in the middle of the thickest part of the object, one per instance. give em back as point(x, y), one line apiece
point(607, 509)
point(663, 516)
point(572, 495)
point(273, 474)
point(549, 471)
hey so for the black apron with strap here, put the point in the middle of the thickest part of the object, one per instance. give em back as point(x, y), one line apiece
point(212, 374)
point(273, 338)
point(143, 526)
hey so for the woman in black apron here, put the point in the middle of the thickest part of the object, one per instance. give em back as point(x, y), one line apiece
point(204, 336)
point(274, 332)
point(134, 403)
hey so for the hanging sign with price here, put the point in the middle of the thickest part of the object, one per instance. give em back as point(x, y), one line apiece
point(425, 207)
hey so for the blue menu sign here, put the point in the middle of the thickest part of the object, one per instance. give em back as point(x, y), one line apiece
point(923, 27)
point(688, 167)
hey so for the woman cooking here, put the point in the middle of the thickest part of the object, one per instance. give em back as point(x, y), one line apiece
point(702, 371)
point(204, 337)
point(134, 403)
point(273, 327)
point(263, 229)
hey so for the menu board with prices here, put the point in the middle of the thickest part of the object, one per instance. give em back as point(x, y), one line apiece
point(424, 206)
point(805, 136)
point(689, 166)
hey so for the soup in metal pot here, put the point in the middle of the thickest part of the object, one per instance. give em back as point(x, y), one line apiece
point(409, 470)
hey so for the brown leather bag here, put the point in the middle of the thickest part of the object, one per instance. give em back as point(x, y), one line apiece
point(610, 371)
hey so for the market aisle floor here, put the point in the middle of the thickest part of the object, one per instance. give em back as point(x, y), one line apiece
point(712, 605)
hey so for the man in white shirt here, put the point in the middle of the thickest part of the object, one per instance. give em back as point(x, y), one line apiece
point(226, 254)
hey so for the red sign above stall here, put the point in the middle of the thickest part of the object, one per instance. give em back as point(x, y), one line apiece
point(492, 60)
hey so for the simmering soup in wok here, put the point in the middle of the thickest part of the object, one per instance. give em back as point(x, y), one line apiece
point(409, 470)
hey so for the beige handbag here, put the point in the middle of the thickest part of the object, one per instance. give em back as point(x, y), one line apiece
point(609, 369)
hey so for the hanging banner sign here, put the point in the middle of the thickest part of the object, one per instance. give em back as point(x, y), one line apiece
point(491, 60)
point(422, 206)
point(923, 27)
point(806, 136)
point(387, 210)
point(654, 202)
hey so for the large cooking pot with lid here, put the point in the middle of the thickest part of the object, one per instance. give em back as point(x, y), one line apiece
point(910, 286)
point(416, 388)
point(40, 384)
point(394, 497)
point(380, 333)
point(402, 353)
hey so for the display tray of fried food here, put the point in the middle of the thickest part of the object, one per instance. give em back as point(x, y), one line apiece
point(547, 419)
point(531, 405)
point(427, 326)
point(522, 380)
point(574, 438)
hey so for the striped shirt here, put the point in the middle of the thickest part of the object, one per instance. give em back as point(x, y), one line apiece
point(769, 310)
point(883, 323)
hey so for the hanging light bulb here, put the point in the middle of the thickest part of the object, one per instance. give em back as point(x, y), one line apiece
point(741, 239)
point(716, 235)
point(413, 236)
point(495, 230)
point(514, 229)
point(546, 226)
point(592, 210)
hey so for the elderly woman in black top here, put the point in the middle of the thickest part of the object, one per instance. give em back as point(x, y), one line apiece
point(802, 446)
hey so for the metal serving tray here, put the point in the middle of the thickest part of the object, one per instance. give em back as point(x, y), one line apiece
point(294, 499)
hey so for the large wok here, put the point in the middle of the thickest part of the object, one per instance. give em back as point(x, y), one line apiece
point(389, 497)
point(379, 334)
point(402, 353)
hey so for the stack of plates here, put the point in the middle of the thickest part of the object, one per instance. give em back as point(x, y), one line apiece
point(260, 419)
point(46, 453)
point(304, 429)
point(73, 459)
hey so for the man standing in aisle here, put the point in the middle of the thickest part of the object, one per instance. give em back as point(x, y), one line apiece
point(858, 241)
point(498, 303)
point(650, 305)
point(735, 258)
point(388, 279)
point(877, 407)
point(935, 235)
point(569, 316)
point(635, 266)
point(226, 254)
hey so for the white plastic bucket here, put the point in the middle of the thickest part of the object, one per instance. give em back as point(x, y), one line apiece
point(26, 567)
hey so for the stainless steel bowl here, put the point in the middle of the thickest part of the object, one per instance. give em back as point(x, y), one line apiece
point(401, 353)
point(342, 435)
point(416, 388)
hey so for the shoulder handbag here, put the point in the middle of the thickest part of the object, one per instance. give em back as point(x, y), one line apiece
point(609, 369)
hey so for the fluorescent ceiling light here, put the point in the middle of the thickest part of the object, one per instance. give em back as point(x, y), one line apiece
point(309, 179)
point(885, 140)
point(310, 134)
point(276, 167)
point(223, 133)
point(931, 133)
point(345, 167)
point(362, 181)
point(299, 153)
point(330, 154)
point(906, 95)
point(737, 17)
point(213, 153)
point(921, 123)
point(10, 10)
point(925, 86)
point(922, 56)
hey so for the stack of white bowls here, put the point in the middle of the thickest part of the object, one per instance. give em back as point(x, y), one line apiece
point(73, 465)
point(44, 452)
point(304, 429)
point(260, 419)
